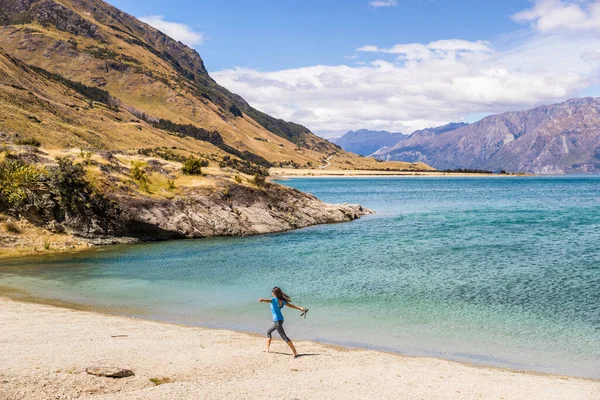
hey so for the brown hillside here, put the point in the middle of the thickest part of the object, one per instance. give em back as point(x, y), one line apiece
point(143, 76)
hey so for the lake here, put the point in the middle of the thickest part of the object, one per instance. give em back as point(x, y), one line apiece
point(493, 271)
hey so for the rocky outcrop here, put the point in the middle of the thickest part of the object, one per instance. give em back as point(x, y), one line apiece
point(559, 138)
point(236, 210)
point(228, 210)
point(47, 12)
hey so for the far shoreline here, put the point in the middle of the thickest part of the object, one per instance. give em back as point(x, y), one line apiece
point(290, 173)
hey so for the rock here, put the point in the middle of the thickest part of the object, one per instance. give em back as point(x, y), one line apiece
point(110, 372)
point(245, 211)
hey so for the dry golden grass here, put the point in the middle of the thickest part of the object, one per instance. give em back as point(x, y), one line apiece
point(35, 240)
point(67, 120)
point(195, 181)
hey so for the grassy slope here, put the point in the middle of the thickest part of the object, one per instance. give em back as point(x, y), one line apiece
point(141, 80)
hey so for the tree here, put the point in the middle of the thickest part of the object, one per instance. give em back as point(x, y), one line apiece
point(192, 166)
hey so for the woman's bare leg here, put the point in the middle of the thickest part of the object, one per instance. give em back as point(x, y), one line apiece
point(268, 344)
point(293, 348)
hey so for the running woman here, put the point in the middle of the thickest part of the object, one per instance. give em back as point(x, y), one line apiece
point(278, 301)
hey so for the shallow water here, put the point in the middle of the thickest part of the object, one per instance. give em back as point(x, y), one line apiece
point(502, 272)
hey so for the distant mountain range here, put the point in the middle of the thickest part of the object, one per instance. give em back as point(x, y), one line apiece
point(366, 142)
point(553, 139)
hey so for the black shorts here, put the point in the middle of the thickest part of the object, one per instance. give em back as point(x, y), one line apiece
point(279, 326)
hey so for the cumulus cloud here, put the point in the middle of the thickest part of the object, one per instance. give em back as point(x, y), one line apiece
point(410, 86)
point(383, 3)
point(177, 31)
point(548, 15)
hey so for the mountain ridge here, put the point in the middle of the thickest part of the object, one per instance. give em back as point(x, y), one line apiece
point(364, 141)
point(556, 138)
point(150, 75)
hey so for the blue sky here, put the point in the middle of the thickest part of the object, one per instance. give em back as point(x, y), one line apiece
point(275, 34)
point(397, 65)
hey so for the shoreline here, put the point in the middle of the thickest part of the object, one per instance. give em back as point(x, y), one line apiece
point(90, 332)
point(290, 173)
point(22, 296)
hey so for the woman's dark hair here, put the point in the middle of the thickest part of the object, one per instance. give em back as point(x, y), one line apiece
point(280, 295)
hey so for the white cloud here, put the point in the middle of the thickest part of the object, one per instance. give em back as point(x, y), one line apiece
point(177, 31)
point(548, 15)
point(415, 85)
point(383, 3)
point(411, 51)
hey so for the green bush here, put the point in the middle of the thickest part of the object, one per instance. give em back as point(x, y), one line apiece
point(192, 166)
point(139, 174)
point(18, 181)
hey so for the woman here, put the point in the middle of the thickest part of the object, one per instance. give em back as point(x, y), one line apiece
point(279, 301)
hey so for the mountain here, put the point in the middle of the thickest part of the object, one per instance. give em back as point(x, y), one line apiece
point(554, 139)
point(427, 132)
point(437, 130)
point(365, 142)
point(103, 79)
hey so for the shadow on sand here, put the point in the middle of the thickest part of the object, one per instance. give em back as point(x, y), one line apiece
point(299, 354)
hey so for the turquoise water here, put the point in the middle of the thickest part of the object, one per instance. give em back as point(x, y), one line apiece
point(502, 272)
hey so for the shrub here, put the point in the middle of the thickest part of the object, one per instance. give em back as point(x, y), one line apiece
point(29, 142)
point(86, 156)
point(171, 184)
point(259, 180)
point(139, 174)
point(192, 166)
point(18, 181)
point(237, 178)
point(68, 180)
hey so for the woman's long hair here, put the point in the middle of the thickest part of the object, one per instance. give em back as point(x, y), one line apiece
point(277, 292)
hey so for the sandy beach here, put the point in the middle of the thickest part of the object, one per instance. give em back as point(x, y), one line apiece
point(284, 173)
point(46, 350)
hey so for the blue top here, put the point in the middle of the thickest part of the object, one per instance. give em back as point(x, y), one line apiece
point(276, 310)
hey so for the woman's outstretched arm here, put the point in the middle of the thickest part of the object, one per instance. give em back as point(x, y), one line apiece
point(296, 307)
point(264, 300)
